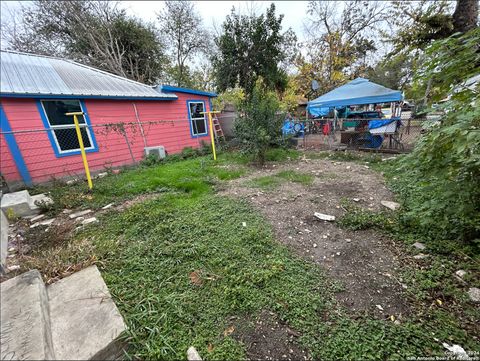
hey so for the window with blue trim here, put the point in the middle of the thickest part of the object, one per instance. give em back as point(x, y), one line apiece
point(197, 117)
point(63, 127)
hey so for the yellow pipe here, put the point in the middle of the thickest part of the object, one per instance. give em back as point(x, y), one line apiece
point(82, 147)
point(212, 138)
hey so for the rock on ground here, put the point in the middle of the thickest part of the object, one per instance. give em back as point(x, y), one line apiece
point(474, 294)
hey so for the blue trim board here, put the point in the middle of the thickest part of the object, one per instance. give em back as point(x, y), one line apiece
point(174, 89)
point(14, 149)
point(51, 136)
point(48, 96)
point(190, 118)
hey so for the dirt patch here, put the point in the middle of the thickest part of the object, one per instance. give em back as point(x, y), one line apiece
point(267, 338)
point(363, 261)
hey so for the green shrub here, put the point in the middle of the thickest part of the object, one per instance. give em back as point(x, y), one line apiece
point(259, 124)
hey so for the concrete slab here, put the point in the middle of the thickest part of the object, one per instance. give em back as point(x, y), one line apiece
point(18, 204)
point(25, 328)
point(3, 241)
point(85, 322)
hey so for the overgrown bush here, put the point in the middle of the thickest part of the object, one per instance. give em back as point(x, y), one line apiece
point(439, 181)
point(258, 126)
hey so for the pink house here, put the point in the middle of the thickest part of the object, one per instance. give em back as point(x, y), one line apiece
point(122, 118)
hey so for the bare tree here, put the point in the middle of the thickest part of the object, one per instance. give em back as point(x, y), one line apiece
point(340, 35)
point(96, 33)
point(185, 33)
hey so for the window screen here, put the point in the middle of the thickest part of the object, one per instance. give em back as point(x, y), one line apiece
point(199, 124)
point(63, 125)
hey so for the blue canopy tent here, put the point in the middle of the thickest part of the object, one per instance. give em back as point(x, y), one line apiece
point(357, 92)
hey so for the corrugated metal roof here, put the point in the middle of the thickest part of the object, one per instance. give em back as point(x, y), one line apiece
point(28, 74)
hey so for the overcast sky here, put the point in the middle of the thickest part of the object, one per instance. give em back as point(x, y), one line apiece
point(212, 12)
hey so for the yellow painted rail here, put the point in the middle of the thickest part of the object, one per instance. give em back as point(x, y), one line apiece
point(212, 136)
point(82, 147)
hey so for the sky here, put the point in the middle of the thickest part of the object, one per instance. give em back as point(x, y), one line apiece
point(212, 12)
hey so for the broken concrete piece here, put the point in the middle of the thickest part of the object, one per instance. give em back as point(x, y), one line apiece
point(108, 206)
point(15, 267)
point(420, 256)
point(78, 214)
point(37, 218)
point(460, 273)
point(324, 217)
point(474, 294)
point(3, 240)
point(193, 355)
point(85, 322)
point(102, 175)
point(72, 182)
point(89, 221)
point(47, 222)
point(356, 199)
point(42, 199)
point(390, 205)
point(25, 329)
point(419, 245)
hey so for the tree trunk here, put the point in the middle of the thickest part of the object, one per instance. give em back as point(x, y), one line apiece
point(465, 16)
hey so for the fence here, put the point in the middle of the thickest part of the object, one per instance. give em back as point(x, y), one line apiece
point(47, 154)
point(354, 134)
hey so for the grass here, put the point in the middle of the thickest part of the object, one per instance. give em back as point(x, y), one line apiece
point(274, 181)
point(181, 265)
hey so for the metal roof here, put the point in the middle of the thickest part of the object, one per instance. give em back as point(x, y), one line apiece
point(33, 75)
point(176, 89)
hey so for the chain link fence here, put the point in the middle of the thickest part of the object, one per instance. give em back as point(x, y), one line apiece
point(354, 134)
point(51, 154)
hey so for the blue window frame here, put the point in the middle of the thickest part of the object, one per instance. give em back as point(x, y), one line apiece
point(61, 129)
point(198, 121)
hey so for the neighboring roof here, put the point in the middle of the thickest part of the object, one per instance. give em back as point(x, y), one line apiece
point(30, 75)
point(175, 89)
point(356, 92)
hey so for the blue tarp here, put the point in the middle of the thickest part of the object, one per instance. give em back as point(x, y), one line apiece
point(357, 92)
point(374, 124)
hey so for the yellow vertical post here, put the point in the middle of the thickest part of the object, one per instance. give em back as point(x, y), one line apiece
point(212, 138)
point(82, 147)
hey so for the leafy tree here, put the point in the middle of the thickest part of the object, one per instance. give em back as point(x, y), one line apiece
point(259, 124)
point(96, 33)
point(186, 37)
point(440, 177)
point(250, 47)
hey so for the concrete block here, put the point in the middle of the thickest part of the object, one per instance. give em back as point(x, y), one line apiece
point(18, 204)
point(85, 322)
point(25, 328)
point(3, 241)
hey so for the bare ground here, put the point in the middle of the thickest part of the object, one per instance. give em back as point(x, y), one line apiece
point(365, 262)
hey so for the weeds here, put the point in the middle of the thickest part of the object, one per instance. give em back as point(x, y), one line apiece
point(274, 181)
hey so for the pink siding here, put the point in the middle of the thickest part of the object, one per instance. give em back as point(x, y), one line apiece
point(7, 164)
point(43, 164)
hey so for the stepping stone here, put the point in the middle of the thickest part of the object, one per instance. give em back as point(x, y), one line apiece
point(85, 322)
point(25, 328)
